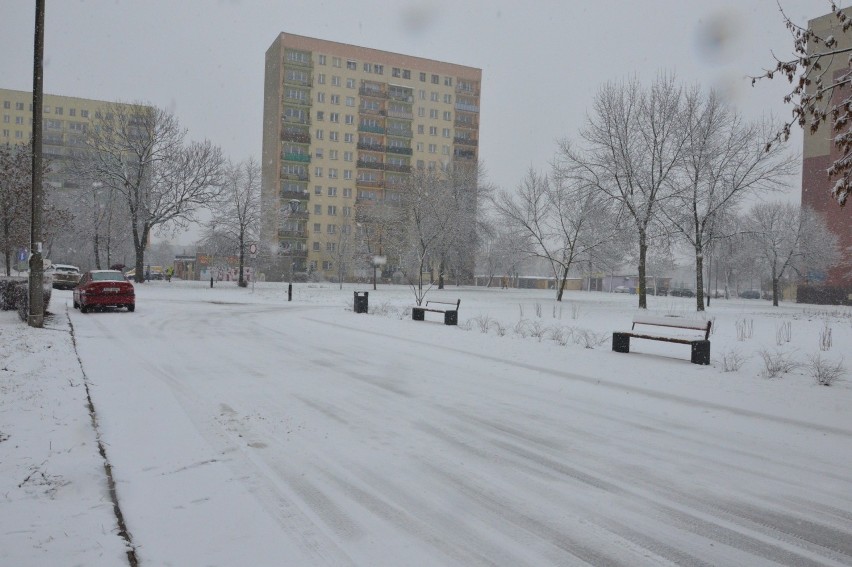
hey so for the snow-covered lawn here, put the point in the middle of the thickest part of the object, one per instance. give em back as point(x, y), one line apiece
point(245, 430)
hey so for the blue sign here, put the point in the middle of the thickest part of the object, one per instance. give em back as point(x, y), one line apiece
point(22, 254)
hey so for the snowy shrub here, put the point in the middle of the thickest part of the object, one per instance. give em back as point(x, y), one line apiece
point(777, 363)
point(483, 322)
point(783, 333)
point(575, 311)
point(557, 313)
point(589, 339)
point(824, 372)
point(732, 360)
point(561, 335)
point(745, 329)
point(712, 326)
point(499, 328)
point(825, 337)
point(520, 328)
point(467, 325)
point(521, 307)
point(537, 330)
point(538, 310)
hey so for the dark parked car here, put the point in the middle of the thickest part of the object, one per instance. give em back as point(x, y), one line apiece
point(750, 294)
point(104, 288)
point(681, 292)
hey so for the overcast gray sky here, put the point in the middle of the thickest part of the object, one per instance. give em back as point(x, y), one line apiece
point(542, 60)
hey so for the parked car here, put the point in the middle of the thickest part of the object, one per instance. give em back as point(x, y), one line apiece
point(64, 276)
point(681, 292)
point(621, 289)
point(104, 288)
point(750, 294)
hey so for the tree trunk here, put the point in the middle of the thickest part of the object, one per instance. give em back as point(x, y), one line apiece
point(643, 253)
point(699, 279)
point(774, 287)
point(560, 283)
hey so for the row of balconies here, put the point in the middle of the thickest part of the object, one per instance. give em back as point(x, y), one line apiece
point(298, 101)
point(297, 137)
point(464, 124)
point(464, 154)
point(292, 233)
point(302, 158)
point(382, 148)
point(301, 195)
point(467, 107)
point(372, 93)
point(401, 114)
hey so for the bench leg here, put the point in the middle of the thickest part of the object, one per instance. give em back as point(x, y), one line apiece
point(620, 342)
point(417, 314)
point(700, 352)
point(451, 318)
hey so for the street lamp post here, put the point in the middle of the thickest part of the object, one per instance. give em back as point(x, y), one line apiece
point(289, 212)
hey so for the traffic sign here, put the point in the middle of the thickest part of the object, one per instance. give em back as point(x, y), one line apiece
point(253, 250)
point(22, 254)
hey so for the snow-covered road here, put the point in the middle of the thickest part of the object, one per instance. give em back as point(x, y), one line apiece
point(267, 433)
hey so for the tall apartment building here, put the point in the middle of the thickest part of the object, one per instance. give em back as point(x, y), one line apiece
point(345, 125)
point(819, 152)
point(64, 122)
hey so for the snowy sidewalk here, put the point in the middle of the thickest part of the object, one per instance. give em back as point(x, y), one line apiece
point(53, 488)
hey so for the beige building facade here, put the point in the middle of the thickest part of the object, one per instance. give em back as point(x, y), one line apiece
point(344, 126)
point(65, 121)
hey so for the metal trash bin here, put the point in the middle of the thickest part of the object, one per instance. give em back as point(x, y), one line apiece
point(361, 304)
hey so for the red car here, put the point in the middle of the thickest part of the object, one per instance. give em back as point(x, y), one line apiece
point(104, 288)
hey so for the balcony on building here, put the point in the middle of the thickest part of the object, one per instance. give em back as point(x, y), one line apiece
point(402, 114)
point(293, 58)
point(285, 233)
point(292, 101)
point(297, 157)
point(466, 106)
point(370, 164)
point(401, 94)
point(461, 141)
point(303, 120)
point(464, 154)
point(287, 195)
point(371, 146)
point(295, 176)
point(295, 134)
point(370, 182)
point(466, 121)
point(400, 150)
point(373, 90)
point(465, 88)
point(371, 129)
point(398, 168)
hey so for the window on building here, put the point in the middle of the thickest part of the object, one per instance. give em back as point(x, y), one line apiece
point(20, 106)
point(335, 62)
point(317, 209)
point(420, 128)
point(326, 265)
point(448, 116)
point(445, 149)
point(330, 246)
point(350, 83)
point(59, 110)
point(448, 81)
point(7, 104)
point(422, 94)
point(332, 210)
point(5, 133)
point(419, 146)
point(7, 119)
point(347, 174)
point(331, 228)
point(320, 115)
point(334, 116)
point(84, 113)
point(349, 137)
point(347, 192)
point(352, 65)
point(332, 154)
point(335, 99)
point(446, 132)
point(335, 81)
point(350, 119)
point(318, 153)
point(317, 172)
point(332, 173)
point(317, 189)
point(379, 69)
point(333, 136)
point(321, 79)
point(350, 101)
point(433, 130)
point(321, 59)
point(332, 191)
point(433, 148)
point(320, 97)
point(396, 72)
point(421, 112)
point(316, 246)
point(422, 77)
point(317, 227)
point(319, 134)
point(433, 113)
point(406, 74)
point(19, 134)
point(433, 96)
point(347, 212)
point(448, 99)
point(436, 80)
point(347, 156)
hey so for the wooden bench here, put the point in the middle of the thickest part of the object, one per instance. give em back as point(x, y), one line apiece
point(451, 314)
point(700, 347)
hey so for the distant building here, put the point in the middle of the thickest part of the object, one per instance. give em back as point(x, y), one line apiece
point(834, 286)
point(343, 126)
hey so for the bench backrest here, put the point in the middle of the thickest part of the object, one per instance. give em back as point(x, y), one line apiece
point(675, 322)
point(457, 303)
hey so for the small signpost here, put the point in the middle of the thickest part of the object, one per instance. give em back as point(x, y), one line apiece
point(253, 256)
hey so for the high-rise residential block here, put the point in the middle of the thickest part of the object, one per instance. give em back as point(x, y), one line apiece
point(343, 126)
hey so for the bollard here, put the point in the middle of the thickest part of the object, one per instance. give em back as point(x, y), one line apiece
point(211, 281)
point(289, 292)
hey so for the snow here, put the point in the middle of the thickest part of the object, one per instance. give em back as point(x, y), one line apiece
point(245, 430)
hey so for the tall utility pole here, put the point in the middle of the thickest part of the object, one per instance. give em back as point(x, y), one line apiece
point(36, 294)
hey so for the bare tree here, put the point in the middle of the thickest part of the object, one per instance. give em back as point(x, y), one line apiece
point(724, 160)
point(819, 93)
point(236, 212)
point(140, 152)
point(15, 182)
point(558, 222)
point(784, 236)
point(632, 144)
